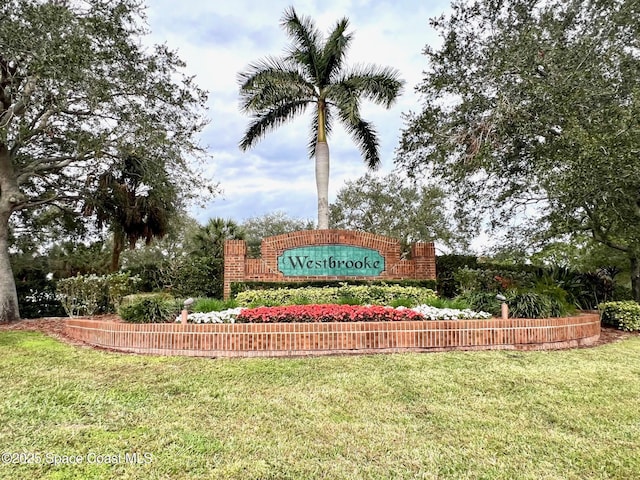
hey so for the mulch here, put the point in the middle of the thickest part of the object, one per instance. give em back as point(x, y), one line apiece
point(54, 327)
point(51, 326)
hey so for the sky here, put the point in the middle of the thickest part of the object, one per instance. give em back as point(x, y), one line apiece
point(219, 38)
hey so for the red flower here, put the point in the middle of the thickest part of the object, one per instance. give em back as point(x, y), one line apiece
point(325, 313)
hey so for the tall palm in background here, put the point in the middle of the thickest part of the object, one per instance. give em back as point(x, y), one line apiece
point(275, 90)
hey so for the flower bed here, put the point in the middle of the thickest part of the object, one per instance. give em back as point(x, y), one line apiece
point(326, 338)
point(326, 313)
point(332, 313)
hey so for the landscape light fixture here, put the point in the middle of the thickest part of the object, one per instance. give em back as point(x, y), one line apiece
point(504, 308)
point(185, 311)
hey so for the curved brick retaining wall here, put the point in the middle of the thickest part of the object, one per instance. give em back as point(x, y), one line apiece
point(296, 339)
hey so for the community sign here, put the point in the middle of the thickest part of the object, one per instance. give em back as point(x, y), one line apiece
point(331, 261)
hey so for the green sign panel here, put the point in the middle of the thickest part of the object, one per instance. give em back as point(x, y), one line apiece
point(331, 261)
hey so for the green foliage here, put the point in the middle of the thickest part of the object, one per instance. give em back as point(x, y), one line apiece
point(346, 294)
point(83, 294)
point(585, 290)
point(623, 315)
point(446, 268)
point(530, 102)
point(158, 308)
point(491, 280)
point(119, 285)
point(621, 293)
point(531, 304)
point(559, 298)
point(395, 207)
point(201, 272)
point(188, 263)
point(237, 287)
point(582, 289)
point(136, 198)
point(269, 225)
point(55, 145)
point(206, 305)
point(481, 301)
point(36, 289)
point(456, 303)
point(196, 276)
point(69, 258)
point(544, 301)
point(90, 294)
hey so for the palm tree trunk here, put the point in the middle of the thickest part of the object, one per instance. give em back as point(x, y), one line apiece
point(322, 184)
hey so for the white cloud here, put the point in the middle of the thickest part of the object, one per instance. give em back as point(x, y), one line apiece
point(219, 39)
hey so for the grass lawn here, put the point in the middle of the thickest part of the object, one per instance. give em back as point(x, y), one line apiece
point(461, 415)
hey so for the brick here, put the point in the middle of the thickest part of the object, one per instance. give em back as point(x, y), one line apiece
point(287, 339)
point(238, 268)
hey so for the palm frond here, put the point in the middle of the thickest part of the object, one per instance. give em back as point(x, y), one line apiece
point(365, 137)
point(271, 82)
point(307, 41)
point(346, 97)
point(334, 52)
point(381, 85)
point(269, 120)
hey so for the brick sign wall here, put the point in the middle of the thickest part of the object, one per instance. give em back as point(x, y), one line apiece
point(327, 255)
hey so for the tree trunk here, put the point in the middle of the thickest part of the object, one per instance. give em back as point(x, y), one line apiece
point(322, 184)
point(8, 297)
point(635, 277)
point(118, 246)
point(10, 197)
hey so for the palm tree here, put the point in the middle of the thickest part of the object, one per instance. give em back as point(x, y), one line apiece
point(275, 90)
point(136, 199)
point(209, 239)
point(208, 252)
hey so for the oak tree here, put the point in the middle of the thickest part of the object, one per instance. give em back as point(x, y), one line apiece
point(533, 107)
point(77, 87)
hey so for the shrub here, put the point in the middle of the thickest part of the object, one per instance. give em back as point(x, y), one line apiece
point(348, 294)
point(155, 308)
point(559, 305)
point(446, 267)
point(491, 280)
point(585, 290)
point(83, 294)
point(237, 287)
point(481, 301)
point(35, 288)
point(623, 315)
point(621, 293)
point(119, 285)
point(529, 305)
point(455, 303)
point(91, 294)
point(205, 305)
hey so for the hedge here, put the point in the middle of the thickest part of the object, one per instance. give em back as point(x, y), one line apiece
point(237, 287)
point(623, 315)
point(354, 294)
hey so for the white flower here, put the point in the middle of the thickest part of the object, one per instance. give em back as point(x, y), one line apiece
point(224, 316)
point(433, 313)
